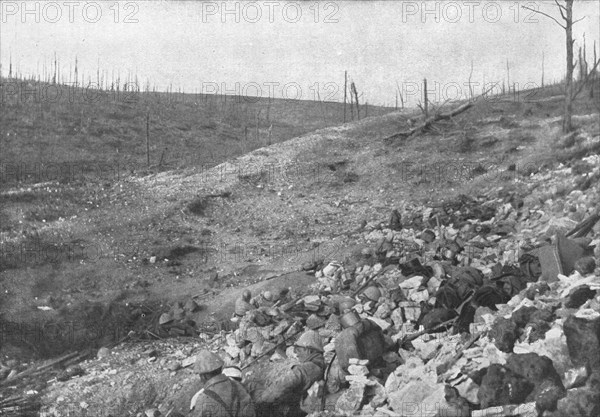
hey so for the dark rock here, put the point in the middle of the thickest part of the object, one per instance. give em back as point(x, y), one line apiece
point(583, 341)
point(510, 279)
point(525, 315)
point(581, 402)
point(465, 318)
point(539, 288)
point(468, 274)
point(536, 319)
point(573, 249)
point(504, 334)
point(579, 296)
point(436, 317)
point(501, 386)
point(542, 315)
point(490, 295)
point(414, 267)
point(534, 367)
point(522, 316)
point(539, 370)
point(530, 267)
point(477, 376)
point(585, 265)
point(548, 396)
point(447, 297)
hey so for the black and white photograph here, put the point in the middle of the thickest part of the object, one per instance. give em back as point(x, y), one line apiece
point(307, 208)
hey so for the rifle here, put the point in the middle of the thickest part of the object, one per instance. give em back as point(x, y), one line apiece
point(323, 396)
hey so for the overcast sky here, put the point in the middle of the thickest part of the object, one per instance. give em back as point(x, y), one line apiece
point(290, 48)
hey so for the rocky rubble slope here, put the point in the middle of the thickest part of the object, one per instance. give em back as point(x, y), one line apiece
point(487, 307)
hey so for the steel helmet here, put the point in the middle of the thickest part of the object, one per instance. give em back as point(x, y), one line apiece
point(233, 372)
point(207, 361)
point(349, 319)
point(428, 235)
point(311, 339)
point(346, 304)
point(267, 295)
point(372, 293)
point(165, 318)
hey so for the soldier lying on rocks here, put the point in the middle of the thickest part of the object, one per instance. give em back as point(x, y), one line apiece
point(283, 397)
point(221, 396)
point(361, 339)
point(169, 327)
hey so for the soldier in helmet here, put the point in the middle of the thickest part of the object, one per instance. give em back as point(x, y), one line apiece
point(283, 397)
point(360, 339)
point(243, 304)
point(372, 293)
point(265, 299)
point(221, 396)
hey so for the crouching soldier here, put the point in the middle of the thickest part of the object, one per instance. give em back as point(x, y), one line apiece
point(242, 305)
point(221, 396)
point(265, 299)
point(361, 339)
point(284, 396)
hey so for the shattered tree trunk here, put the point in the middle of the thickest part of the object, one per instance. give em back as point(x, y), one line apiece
point(425, 99)
point(345, 90)
point(436, 118)
point(567, 120)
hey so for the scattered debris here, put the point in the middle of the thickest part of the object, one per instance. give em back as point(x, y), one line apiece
point(486, 305)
